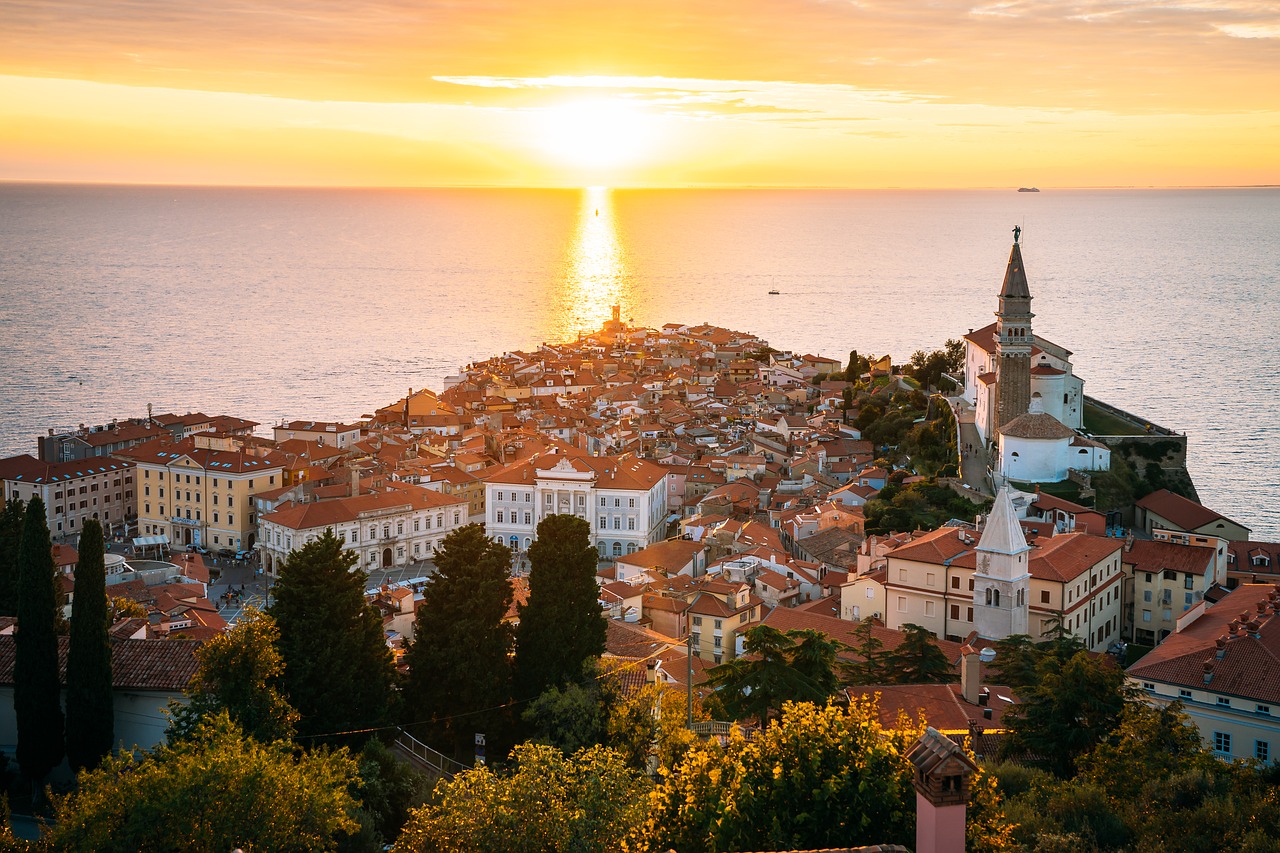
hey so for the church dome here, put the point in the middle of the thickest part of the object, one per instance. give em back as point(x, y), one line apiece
point(1036, 425)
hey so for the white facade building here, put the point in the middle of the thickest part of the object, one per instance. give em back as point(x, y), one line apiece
point(623, 498)
point(385, 529)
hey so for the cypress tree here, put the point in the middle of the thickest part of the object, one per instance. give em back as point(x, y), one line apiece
point(90, 714)
point(338, 672)
point(561, 627)
point(36, 689)
point(458, 661)
point(11, 518)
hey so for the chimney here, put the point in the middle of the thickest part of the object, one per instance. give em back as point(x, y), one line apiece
point(355, 481)
point(970, 675)
point(1208, 671)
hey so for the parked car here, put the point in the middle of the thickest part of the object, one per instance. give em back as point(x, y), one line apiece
point(244, 555)
point(197, 549)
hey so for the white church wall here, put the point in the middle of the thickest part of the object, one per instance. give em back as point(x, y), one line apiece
point(1034, 460)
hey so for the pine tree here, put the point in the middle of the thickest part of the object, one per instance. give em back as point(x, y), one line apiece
point(338, 671)
point(561, 627)
point(917, 659)
point(459, 658)
point(10, 537)
point(36, 689)
point(90, 714)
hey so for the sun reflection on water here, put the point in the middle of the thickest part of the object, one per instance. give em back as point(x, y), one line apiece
point(596, 274)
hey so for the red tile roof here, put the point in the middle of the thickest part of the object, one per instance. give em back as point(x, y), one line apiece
point(1187, 514)
point(1250, 662)
point(1153, 556)
point(135, 664)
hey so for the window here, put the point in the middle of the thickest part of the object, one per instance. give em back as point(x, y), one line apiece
point(1262, 750)
point(930, 579)
point(1044, 596)
point(417, 525)
point(955, 583)
point(528, 496)
point(1222, 742)
point(603, 523)
point(1147, 685)
point(231, 519)
point(399, 528)
point(902, 604)
point(500, 495)
point(500, 517)
point(1265, 710)
point(1186, 599)
point(617, 522)
point(355, 535)
point(631, 523)
point(697, 620)
point(602, 501)
point(1146, 595)
point(528, 518)
point(718, 641)
point(617, 502)
point(1184, 694)
point(1170, 575)
point(631, 502)
point(617, 549)
point(717, 624)
point(1224, 701)
point(902, 575)
point(928, 608)
point(1188, 582)
point(955, 611)
point(440, 519)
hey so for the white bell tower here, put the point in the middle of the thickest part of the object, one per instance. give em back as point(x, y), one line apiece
point(1002, 582)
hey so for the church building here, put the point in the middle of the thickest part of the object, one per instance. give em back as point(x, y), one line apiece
point(1028, 404)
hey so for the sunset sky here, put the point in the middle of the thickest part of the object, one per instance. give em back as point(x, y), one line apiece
point(835, 93)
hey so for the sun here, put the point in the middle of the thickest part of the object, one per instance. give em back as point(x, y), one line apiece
point(597, 133)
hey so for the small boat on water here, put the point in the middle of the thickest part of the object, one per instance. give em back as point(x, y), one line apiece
point(1028, 189)
point(774, 292)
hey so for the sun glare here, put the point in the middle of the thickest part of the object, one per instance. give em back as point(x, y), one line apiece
point(600, 133)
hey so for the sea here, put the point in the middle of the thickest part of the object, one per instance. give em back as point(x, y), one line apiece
point(325, 304)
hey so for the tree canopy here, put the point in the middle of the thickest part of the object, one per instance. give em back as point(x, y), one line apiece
point(917, 659)
point(90, 731)
point(37, 693)
point(11, 523)
point(459, 661)
point(338, 672)
point(548, 803)
point(240, 673)
point(776, 667)
point(561, 626)
point(821, 777)
point(216, 790)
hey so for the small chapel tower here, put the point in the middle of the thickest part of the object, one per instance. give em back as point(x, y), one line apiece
point(1002, 580)
point(1013, 341)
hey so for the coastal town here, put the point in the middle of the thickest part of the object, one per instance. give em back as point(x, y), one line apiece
point(975, 494)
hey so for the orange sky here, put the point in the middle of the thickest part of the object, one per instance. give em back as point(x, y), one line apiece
point(851, 93)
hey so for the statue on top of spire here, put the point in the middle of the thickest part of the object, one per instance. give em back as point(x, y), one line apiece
point(1017, 231)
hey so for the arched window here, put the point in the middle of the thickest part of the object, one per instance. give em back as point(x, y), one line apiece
point(995, 598)
point(988, 596)
point(617, 549)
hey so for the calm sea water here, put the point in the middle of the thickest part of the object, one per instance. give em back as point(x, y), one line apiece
point(325, 304)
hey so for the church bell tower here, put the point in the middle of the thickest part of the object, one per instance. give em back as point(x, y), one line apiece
point(1013, 341)
point(1002, 581)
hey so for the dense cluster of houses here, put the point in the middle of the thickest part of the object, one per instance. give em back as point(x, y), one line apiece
point(723, 486)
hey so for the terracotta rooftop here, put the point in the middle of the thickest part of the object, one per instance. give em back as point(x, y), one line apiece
point(135, 664)
point(1154, 556)
point(1245, 622)
point(1036, 425)
point(1185, 513)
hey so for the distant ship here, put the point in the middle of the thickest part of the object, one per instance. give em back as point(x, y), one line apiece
point(774, 292)
point(1028, 190)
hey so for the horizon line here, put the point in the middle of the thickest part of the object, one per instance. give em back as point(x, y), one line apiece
point(708, 186)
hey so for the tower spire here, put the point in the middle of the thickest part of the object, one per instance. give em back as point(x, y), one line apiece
point(1013, 341)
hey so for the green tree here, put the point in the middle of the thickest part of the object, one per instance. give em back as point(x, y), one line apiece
point(757, 683)
point(338, 671)
point(853, 371)
point(1148, 743)
point(1069, 710)
point(867, 666)
point(917, 659)
point(569, 718)
point(217, 790)
point(548, 803)
point(389, 789)
point(561, 626)
point(459, 660)
point(37, 700)
point(796, 786)
point(240, 673)
point(11, 523)
point(90, 730)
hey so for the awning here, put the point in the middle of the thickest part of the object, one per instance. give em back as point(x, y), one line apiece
point(148, 541)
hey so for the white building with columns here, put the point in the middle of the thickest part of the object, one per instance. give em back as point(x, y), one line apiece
point(623, 498)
